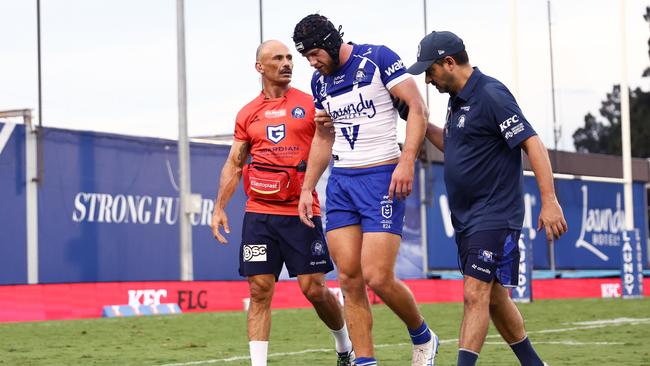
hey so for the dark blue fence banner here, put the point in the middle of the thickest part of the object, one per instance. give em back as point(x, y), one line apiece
point(13, 236)
point(108, 210)
point(594, 212)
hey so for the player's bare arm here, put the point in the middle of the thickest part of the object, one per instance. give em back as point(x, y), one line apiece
point(230, 177)
point(402, 181)
point(551, 217)
point(319, 157)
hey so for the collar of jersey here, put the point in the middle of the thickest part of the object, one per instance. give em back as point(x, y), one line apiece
point(470, 85)
point(263, 98)
point(341, 70)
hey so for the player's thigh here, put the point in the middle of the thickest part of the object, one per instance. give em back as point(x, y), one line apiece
point(379, 253)
point(345, 248)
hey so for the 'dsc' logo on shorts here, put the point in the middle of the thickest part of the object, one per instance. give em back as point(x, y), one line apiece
point(255, 253)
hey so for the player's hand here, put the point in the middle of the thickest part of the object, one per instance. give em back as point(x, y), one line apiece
point(219, 218)
point(305, 208)
point(552, 219)
point(401, 183)
point(402, 107)
point(324, 119)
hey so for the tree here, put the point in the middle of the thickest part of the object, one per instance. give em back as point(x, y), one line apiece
point(605, 137)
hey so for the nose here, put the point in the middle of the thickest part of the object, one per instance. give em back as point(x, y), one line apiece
point(427, 78)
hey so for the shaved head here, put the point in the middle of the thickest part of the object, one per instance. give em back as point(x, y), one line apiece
point(269, 47)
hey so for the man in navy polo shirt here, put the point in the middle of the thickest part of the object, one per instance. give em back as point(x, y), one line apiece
point(482, 139)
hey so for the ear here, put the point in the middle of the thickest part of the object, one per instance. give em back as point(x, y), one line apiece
point(449, 62)
point(259, 67)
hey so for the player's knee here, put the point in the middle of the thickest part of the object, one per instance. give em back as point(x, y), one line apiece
point(261, 292)
point(378, 281)
point(349, 282)
point(315, 293)
point(475, 298)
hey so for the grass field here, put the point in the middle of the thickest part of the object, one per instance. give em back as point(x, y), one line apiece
point(565, 332)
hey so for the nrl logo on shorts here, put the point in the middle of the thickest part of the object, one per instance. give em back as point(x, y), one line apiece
point(386, 207)
point(275, 134)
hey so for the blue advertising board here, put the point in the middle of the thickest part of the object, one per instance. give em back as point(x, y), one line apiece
point(108, 210)
point(13, 236)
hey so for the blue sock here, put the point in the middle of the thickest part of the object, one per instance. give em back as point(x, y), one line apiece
point(466, 358)
point(526, 353)
point(365, 361)
point(420, 335)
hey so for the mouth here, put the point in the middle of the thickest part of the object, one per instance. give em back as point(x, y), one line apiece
point(286, 72)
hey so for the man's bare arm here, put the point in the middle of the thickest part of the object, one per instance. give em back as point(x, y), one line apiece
point(228, 182)
point(403, 176)
point(551, 216)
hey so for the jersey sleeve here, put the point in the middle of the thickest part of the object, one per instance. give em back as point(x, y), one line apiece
point(508, 118)
point(317, 88)
point(240, 126)
point(391, 66)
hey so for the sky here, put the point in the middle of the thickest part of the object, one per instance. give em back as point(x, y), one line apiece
point(110, 65)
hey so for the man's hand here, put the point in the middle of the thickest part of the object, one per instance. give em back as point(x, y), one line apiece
point(401, 183)
point(552, 219)
point(305, 208)
point(322, 118)
point(219, 218)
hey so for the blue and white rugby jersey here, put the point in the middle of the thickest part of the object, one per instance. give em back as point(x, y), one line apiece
point(356, 97)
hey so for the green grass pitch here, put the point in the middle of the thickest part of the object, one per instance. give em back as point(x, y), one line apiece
point(564, 332)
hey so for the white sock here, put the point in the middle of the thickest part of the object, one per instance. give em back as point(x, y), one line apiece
point(342, 339)
point(259, 351)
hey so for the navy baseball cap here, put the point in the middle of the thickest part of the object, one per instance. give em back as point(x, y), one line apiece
point(433, 47)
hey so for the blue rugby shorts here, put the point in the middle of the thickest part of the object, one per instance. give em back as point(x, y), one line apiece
point(359, 196)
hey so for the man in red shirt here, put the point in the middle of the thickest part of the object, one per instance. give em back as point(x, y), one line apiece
point(276, 129)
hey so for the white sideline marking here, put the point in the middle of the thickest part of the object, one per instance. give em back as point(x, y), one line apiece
point(612, 321)
point(5, 133)
point(567, 343)
point(581, 326)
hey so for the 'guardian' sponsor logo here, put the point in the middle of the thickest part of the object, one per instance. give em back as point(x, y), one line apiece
point(275, 134)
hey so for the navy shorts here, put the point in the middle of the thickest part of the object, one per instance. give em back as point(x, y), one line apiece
point(268, 241)
point(490, 254)
point(360, 197)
